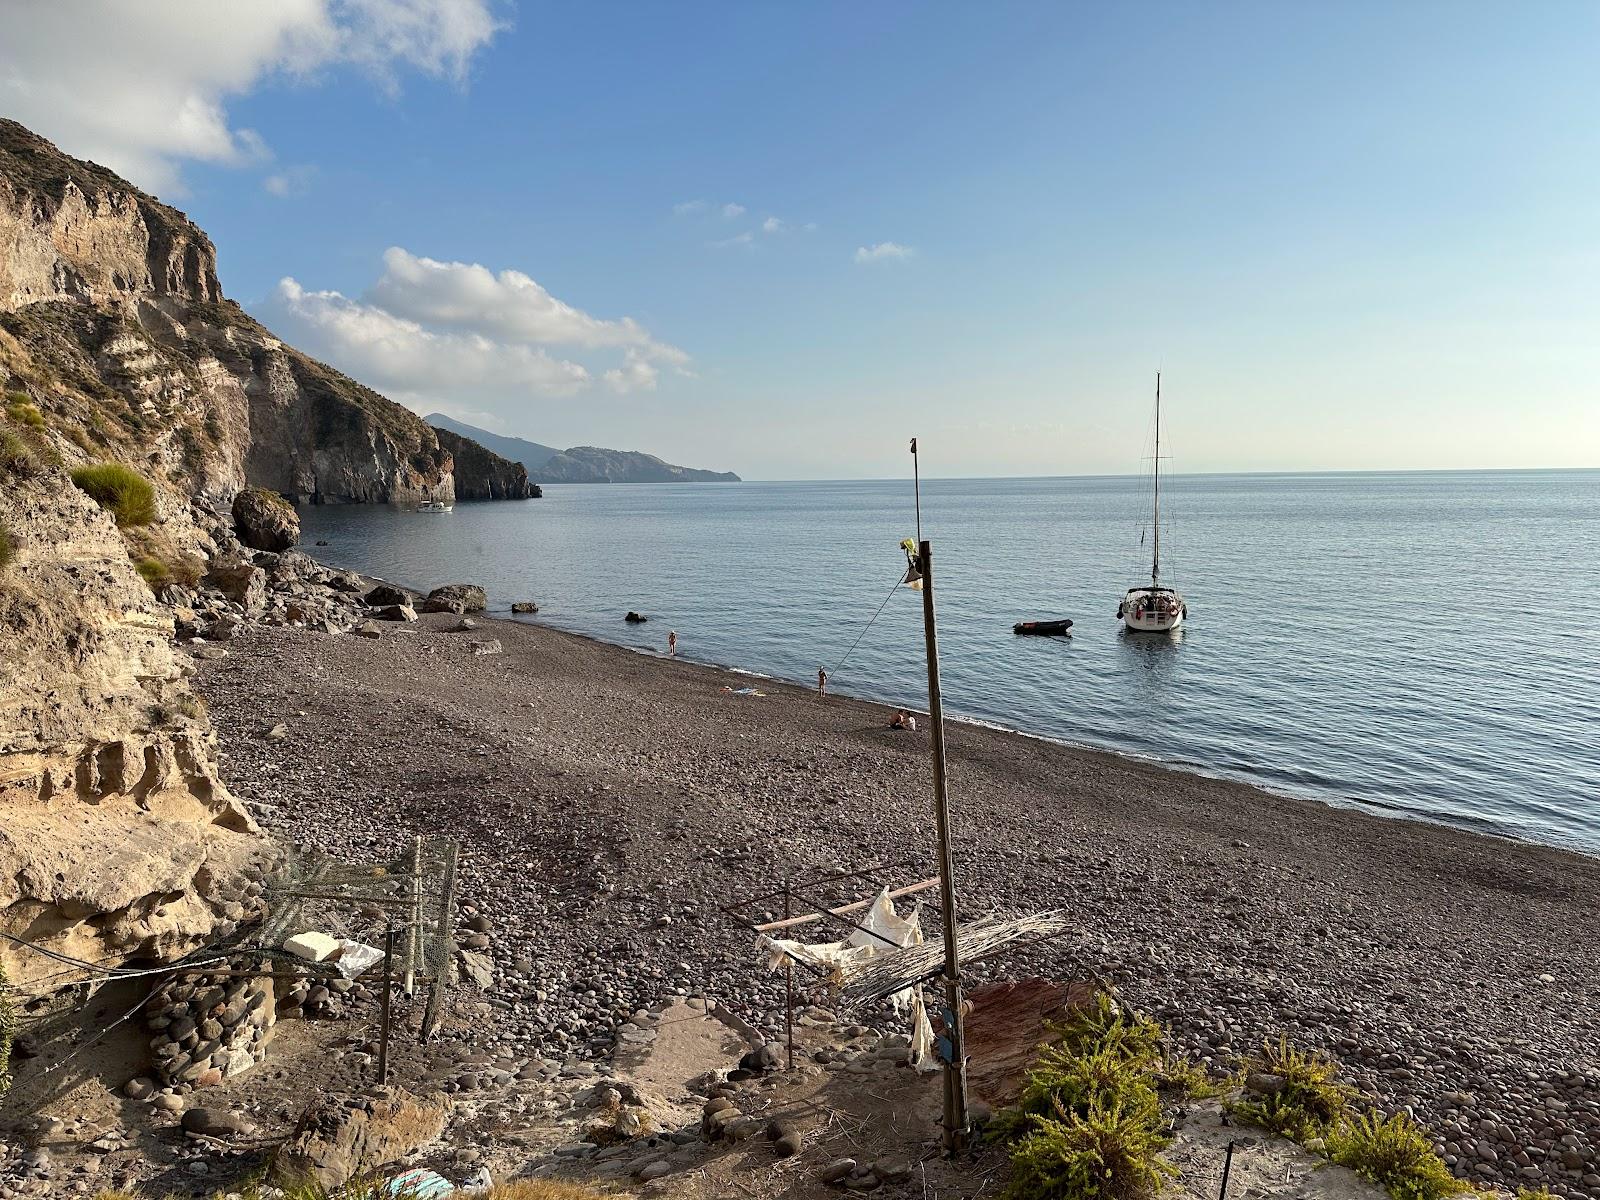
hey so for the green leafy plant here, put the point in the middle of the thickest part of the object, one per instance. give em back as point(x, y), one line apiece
point(1101, 1152)
point(158, 569)
point(121, 491)
point(1307, 1098)
point(1103, 1024)
point(1396, 1154)
point(1099, 1051)
point(1188, 1078)
point(1088, 1123)
point(1062, 1081)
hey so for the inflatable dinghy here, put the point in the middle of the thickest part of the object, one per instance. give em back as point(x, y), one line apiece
point(1060, 628)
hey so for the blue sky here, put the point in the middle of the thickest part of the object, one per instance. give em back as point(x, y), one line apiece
point(1352, 236)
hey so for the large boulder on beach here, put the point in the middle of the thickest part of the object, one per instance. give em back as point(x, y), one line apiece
point(265, 520)
point(386, 594)
point(456, 598)
point(340, 1136)
point(240, 581)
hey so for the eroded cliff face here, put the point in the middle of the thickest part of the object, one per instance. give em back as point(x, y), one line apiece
point(73, 228)
point(111, 302)
point(118, 839)
point(482, 475)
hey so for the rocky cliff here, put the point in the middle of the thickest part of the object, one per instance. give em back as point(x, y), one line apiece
point(135, 403)
point(482, 474)
point(117, 839)
point(109, 300)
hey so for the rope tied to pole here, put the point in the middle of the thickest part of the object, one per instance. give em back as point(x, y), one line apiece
point(898, 580)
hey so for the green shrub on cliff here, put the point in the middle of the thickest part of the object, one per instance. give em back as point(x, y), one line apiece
point(15, 457)
point(23, 412)
point(153, 571)
point(121, 491)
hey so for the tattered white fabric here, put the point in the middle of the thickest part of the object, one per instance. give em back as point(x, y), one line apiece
point(356, 957)
point(922, 1056)
point(880, 930)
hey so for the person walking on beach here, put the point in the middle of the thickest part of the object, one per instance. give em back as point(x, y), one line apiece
point(672, 643)
point(822, 681)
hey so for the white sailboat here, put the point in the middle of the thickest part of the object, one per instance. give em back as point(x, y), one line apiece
point(1154, 609)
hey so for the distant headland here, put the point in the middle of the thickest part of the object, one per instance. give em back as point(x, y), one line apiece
point(581, 464)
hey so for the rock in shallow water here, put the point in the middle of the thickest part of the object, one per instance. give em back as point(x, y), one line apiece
point(456, 598)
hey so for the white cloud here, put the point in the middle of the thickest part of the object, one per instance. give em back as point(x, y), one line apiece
point(409, 361)
point(444, 335)
point(689, 208)
point(730, 211)
point(143, 87)
point(882, 251)
point(635, 375)
point(509, 306)
point(291, 181)
point(738, 239)
point(773, 225)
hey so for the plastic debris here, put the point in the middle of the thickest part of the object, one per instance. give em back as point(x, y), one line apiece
point(417, 1184)
point(356, 957)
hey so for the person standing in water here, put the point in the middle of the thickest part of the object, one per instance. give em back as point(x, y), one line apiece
point(822, 681)
point(672, 643)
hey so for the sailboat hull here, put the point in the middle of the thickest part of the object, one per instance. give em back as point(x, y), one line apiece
point(1144, 610)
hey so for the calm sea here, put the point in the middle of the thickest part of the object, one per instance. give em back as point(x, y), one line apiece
point(1416, 643)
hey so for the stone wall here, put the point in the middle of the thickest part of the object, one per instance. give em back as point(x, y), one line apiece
point(208, 1028)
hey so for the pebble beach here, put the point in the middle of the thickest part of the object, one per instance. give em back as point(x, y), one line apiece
point(609, 804)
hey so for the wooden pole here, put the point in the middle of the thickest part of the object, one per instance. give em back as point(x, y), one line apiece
point(788, 982)
point(442, 959)
point(955, 1068)
point(415, 924)
point(845, 909)
point(916, 484)
point(388, 998)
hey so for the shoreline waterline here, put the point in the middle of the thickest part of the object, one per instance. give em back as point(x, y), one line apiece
point(1356, 806)
point(1305, 668)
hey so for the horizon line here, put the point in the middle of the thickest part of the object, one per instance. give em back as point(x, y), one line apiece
point(1182, 474)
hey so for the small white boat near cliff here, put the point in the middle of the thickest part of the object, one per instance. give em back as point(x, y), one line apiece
point(1154, 609)
point(432, 506)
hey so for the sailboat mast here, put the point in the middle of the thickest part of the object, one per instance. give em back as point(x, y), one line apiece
point(1155, 559)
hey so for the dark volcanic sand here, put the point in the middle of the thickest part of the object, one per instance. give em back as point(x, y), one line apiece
point(596, 790)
